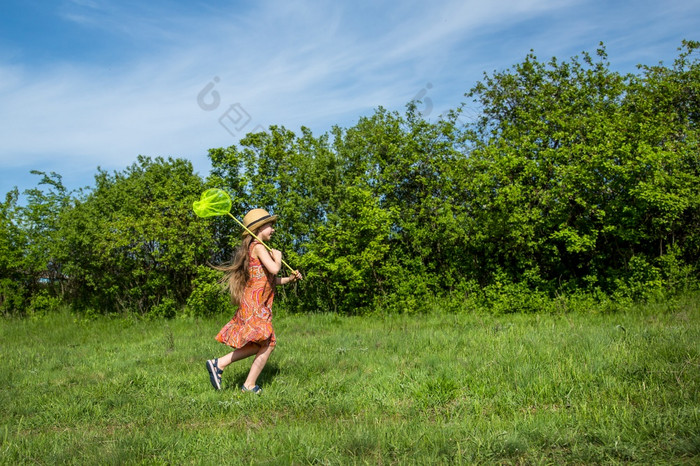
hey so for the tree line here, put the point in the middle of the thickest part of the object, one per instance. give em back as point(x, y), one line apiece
point(554, 178)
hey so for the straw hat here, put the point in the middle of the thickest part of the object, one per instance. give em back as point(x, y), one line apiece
point(257, 218)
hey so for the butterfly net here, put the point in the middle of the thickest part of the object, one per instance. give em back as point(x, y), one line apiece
point(213, 202)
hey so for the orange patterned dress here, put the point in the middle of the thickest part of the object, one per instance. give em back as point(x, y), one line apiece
point(253, 320)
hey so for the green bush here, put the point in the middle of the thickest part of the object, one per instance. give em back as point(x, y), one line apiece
point(207, 297)
point(43, 303)
point(507, 297)
point(13, 297)
point(678, 276)
point(572, 177)
point(166, 308)
point(133, 242)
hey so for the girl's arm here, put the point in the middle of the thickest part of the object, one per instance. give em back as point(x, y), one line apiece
point(290, 279)
point(271, 260)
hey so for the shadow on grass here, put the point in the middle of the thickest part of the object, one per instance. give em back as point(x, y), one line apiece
point(266, 377)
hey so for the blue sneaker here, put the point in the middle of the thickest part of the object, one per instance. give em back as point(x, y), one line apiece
point(257, 390)
point(214, 373)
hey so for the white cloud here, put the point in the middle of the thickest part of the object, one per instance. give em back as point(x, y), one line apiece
point(286, 62)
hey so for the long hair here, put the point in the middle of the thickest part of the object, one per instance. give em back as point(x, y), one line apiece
point(236, 272)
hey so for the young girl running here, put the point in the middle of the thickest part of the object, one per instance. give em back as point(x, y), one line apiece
point(251, 280)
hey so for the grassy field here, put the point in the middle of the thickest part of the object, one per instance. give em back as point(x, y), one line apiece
point(436, 389)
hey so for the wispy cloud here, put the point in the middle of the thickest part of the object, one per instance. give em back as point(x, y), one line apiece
point(284, 62)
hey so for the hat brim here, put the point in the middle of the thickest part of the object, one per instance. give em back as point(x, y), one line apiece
point(259, 223)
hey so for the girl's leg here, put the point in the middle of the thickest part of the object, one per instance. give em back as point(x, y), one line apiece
point(260, 360)
point(240, 353)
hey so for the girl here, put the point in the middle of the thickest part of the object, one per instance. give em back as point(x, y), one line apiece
point(251, 280)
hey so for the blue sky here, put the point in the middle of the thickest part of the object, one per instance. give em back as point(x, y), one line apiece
point(88, 83)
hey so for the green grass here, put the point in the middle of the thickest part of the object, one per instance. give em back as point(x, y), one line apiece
point(437, 389)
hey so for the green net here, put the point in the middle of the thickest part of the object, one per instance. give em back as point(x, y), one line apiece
point(214, 202)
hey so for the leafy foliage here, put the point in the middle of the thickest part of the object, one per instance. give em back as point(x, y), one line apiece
point(134, 242)
point(576, 175)
point(29, 243)
point(573, 178)
point(208, 297)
